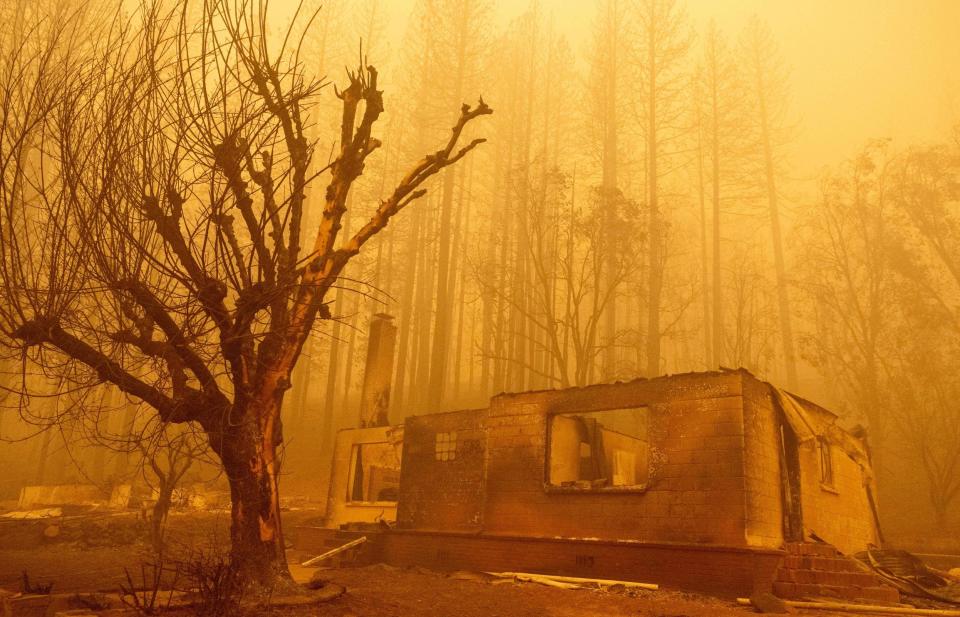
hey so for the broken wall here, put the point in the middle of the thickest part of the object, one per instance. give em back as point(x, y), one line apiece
point(341, 507)
point(764, 498)
point(61, 494)
point(696, 486)
point(441, 479)
point(839, 512)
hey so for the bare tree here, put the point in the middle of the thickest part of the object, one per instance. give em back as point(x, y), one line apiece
point(926, 414)
point(927, 191)
point(608, 62)
point(721, 111)
point(164, 250)
point(664, 38)
point(849, 282)
point(767, 82)
point(167, 457)
point(571, 276)
point(459, 29)
point(928, 187)
point(750, 332)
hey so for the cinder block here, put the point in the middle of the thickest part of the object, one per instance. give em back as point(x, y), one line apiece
point(880, 594)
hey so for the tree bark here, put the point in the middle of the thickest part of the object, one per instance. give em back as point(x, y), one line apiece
point(160, 511)
point(249, 456)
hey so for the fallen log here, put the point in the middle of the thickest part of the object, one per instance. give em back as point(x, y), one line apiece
point(864, 608)
point(335, 551)
point(601, 582)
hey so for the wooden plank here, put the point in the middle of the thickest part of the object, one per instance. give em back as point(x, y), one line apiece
point(335, 551)
point(865, 608)
point(543, 580)
point(602, 582)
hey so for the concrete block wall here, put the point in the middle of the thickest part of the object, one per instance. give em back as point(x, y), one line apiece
point(696, 492)
point(724, 571)
point(764, 498)
point(443, 495)
point(839, 514)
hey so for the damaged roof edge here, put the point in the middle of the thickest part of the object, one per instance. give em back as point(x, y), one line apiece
point(797, 413)
point(722, 371)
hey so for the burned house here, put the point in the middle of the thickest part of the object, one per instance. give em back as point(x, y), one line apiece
point(695, 481)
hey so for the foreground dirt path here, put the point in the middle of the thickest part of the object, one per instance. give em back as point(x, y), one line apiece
point(382, 591)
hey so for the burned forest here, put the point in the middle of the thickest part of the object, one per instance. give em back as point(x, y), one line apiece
point(479, 307)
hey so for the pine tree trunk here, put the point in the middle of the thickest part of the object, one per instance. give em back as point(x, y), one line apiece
point(441, 336)
point(783, 299)
point(654, 232)
point(704, 261)
point(444, 309)
point(609, 197)
point(458, 280)
point(718, 355)
point(420, 375)
point(405, 356)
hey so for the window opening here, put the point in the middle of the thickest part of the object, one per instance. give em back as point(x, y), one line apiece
point(446, 446)
point(375, 476)
point(599, 449)
point(826, 462)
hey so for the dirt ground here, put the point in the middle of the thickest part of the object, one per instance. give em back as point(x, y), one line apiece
point(380, 592)
point(383, 591)
point(90, 556)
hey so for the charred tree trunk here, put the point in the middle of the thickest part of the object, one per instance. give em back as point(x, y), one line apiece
point(249, 456)
point(171, 317)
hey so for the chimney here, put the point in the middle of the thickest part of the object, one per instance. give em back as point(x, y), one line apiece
point(375, 400)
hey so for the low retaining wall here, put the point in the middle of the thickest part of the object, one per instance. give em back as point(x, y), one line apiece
point(719, 570)
point(60, 495)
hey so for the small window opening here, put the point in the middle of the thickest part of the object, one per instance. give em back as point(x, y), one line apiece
point(599, 450)
point(446, 446)
point(826, 462)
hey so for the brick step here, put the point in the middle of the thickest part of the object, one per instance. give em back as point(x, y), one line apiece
point(796, 591)
point(828, 564)
point(810, 548)
point(813, 570)
point(826, 577)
